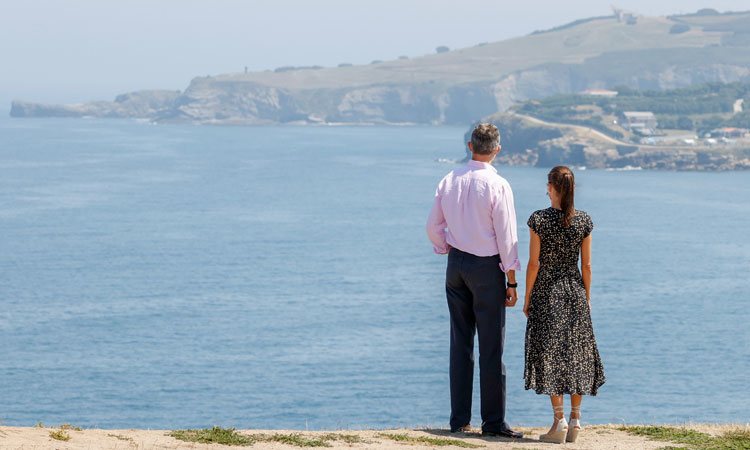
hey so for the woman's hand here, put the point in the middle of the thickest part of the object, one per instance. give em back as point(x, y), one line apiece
point(526, 305)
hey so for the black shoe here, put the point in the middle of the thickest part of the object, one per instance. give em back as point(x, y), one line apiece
point(507, 433)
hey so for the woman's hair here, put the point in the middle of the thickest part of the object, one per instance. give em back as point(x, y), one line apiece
point(562, 180)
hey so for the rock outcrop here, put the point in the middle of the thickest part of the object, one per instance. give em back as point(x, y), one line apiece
point(142, 104)
point(533, 144)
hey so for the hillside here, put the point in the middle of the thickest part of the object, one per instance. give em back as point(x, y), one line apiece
point(456, 87)
point(702, 127)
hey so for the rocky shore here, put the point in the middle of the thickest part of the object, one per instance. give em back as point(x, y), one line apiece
point(528, 141)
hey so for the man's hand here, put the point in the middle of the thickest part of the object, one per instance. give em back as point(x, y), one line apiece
point(511, 297)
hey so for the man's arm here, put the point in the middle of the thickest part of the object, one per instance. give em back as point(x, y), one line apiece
point(436, 226)
point(506, 235)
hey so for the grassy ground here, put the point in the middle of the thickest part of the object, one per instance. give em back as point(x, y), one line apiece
point(595, 437)
point(686, 438)
point(675, 438)
point(229, 436)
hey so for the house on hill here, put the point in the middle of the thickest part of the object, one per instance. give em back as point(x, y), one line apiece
point(729, 133)
point(625, 17)
point(599, 93)
point(642, 122)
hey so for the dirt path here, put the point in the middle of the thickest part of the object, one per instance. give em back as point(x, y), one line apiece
point(592, 437)
point(599, 135)
point(579, 128)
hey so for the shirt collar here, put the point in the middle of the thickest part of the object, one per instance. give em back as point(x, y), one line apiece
point(481, 165)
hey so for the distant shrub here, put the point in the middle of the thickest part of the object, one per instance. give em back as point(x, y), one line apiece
point(741, 120)
point(685, 123)
point(442, 49)
point(403, 57)
point(481, 44)
point(709, 123)
point(376, 61)
point(626, 149)
point(345, 65)
point(707, 12)
point(676, 123)
point(679, 28)
point(623, 90)
point(291, 68)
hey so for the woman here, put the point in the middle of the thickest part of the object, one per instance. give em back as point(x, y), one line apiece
point(561, 353)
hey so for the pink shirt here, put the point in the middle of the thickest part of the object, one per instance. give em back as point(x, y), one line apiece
point(474, 212)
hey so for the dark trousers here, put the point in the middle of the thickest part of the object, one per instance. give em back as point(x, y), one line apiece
point(475, 287)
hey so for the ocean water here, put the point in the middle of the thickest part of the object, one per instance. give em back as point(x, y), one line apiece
point(280, 277)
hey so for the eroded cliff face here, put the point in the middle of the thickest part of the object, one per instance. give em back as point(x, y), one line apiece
point(211, 100)
point(216, 101)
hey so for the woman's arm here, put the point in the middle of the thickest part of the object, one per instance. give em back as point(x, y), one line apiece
point(532, 268)
point(586, 266)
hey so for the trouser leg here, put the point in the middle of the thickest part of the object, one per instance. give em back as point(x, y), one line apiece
point(487, 283)
point(463, 325)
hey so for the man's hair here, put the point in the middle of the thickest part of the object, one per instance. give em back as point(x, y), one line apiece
point(485, 138)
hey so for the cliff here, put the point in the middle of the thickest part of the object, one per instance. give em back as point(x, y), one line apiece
point(454, 87)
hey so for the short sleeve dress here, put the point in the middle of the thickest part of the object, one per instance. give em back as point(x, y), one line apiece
point(561, 352)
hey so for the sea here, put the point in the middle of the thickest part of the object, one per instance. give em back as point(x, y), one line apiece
point(280, 277)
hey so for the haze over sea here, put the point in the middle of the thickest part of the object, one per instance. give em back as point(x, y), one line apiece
point(280, 277)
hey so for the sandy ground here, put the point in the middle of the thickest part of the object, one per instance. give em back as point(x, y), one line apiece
point(592, 437)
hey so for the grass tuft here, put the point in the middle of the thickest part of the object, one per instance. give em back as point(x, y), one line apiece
point(215, 435)
point(67, 426)
point(229, 436)
point(673, 434)
point(734, 440)
point(60, 435)
point(39, 424)
point(693, 440)
point(121, 437)
point(294, 439)
point(437, 442)
point(347, 438)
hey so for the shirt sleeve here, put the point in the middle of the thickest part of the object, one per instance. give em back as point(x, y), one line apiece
point(436, 226)
point(506, 232)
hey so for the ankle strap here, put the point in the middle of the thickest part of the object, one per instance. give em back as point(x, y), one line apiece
point(558, 408)
point(575, 408)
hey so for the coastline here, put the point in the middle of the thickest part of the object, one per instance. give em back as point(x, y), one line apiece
point(593, 437)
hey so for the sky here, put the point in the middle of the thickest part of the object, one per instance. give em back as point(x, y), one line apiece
point(60, 51)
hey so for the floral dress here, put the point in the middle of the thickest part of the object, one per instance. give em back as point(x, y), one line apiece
point(561, 352)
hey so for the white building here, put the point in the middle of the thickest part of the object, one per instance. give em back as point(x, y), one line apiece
point(599, 93)
point(640, 121)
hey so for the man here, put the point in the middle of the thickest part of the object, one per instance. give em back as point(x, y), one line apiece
point(473, 220)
